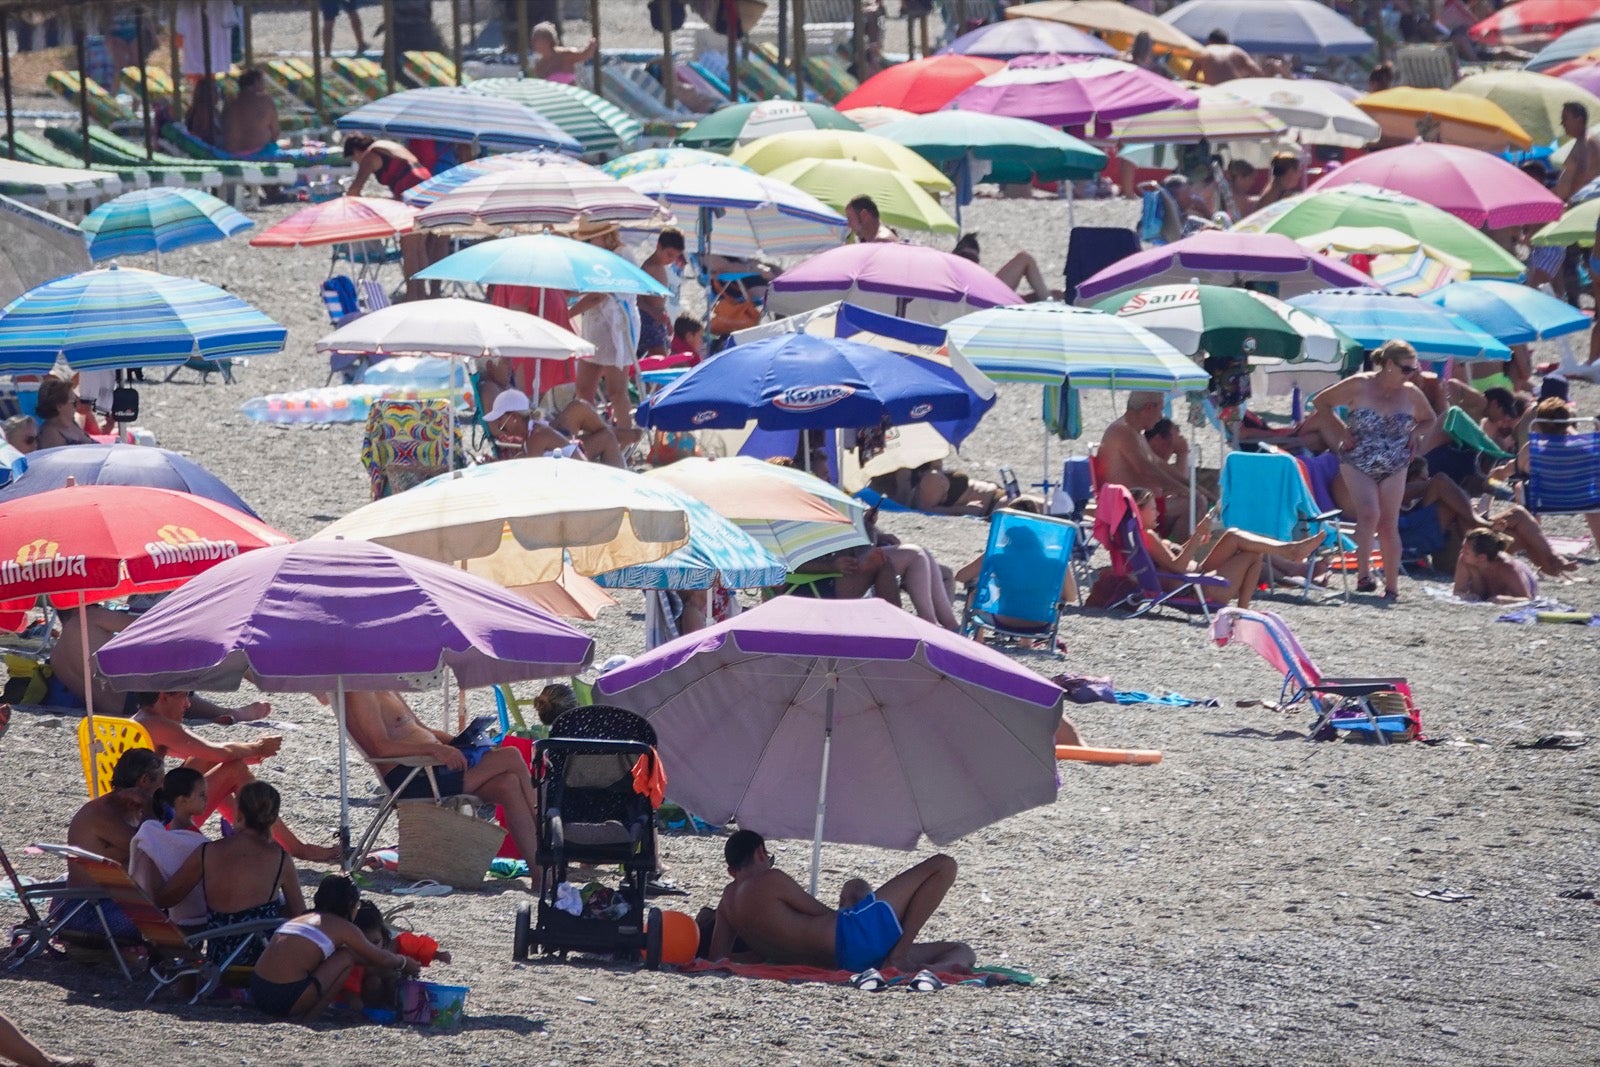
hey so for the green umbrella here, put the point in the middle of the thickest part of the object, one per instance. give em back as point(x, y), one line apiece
point(736, 124)
point(1017, 150)
point(585, 117)
point(1359, 204)
point(1534, 100)
point(1575, 227)
point(901, 202)
point(1221, 321)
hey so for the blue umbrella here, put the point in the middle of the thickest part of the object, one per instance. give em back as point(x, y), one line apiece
point(1281, 27)
point(154, 468)
point(159, 220)
point(800, 382)
point(1511, 313)
point(545, 261)
point(718, 553)
point(1373, 317)
point(1570, 45)
point(458, 115)
point(104, 319)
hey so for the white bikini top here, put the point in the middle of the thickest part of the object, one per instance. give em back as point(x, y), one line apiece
point(312, 934)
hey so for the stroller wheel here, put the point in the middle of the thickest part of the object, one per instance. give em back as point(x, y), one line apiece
point(522, 932)
point(652, 940)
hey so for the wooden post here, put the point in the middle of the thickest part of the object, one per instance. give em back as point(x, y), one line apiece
point(246, 10)
point(522, 35)
point(316, 61)
point(391, 55)
point(208, 74)
point(5, 82)
point(730, 20)
point(669, 74)
point(594, 31)
point(79, 27)
point(858, 40)
point(144, 84)
point(455, 37)
point(177, 61)
point(961, 19)
point(799, 58)
point(783, 34)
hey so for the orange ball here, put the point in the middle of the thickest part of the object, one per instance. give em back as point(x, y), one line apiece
point(680, 937)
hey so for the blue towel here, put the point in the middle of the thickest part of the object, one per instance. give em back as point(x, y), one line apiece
point(1171, 700)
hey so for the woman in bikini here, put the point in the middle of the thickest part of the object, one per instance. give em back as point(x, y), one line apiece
point(1236, 557)
point(397, 168)
point(1387, 415)
point(309, 958)
point(1485, 572)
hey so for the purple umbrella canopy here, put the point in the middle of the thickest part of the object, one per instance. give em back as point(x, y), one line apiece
point(1073, 91)
point(1220, 257)
point(912, 281)
point(1010, 38)
point(903, 728)
point(311, 616)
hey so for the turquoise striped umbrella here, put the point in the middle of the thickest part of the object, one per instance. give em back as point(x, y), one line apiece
point(664, 159)
point(104, 319)
point(1046, 342)
point(159, 220)
point(595, 124)
point(718, 553)
point(458, 115)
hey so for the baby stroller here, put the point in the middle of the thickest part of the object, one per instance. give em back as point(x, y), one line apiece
point(594, 775)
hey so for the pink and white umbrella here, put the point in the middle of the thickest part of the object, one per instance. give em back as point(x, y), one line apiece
point(1476, 187)
point(544, 190)
point(1221, 257)
point(1073, 92)
point(911, 281)
point(339, 221)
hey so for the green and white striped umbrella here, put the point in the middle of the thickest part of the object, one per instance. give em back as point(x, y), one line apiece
point(159, 220)
point(597, 125)
point(1046, 342)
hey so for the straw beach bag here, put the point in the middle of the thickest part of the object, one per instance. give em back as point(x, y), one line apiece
point(442, 842)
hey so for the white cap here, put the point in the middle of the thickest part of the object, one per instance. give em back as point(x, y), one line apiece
point(512, 401)
point(613, 662)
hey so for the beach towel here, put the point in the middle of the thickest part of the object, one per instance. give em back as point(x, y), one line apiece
point(796, 973)
point(1171, 700)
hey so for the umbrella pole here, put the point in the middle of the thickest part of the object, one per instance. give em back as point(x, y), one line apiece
point(703, 250)
point(822, 786)
point(95, 747)
point(344, 774)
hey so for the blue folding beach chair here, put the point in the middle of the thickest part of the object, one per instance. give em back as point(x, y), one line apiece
point(1019, 589)
point(1266, 493)
point(1563, 474)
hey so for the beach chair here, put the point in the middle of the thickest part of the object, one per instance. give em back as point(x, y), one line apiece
point(104, 108)
point(31, 148)
point(430, 68)
point(1091, 249)
point(100, 750)
point(287, 165)
point(831, 76)
point(394, 799)
point(296, 77)
point(1380, 707)
point(407, 442)
point(363, 73)
point(1426, 66)
point(186, 173)
point(174, 953)
point(1267, 493)
point(1116, 525)
point(61, 903)
point(1021, 584)
point(1563, 474)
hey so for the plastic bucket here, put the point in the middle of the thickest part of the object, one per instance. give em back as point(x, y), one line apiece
point(439, 1007)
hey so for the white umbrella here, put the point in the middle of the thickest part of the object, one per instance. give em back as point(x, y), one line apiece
point(740, 213)
point(1315, 111)
point(452, 326)
point(35, 246)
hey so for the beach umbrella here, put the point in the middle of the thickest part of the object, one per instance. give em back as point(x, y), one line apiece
point(1368, 205)
point(791, 513)
point(595, 124)
point(911, 281)
point(902, 203)
point(1398, 262)
point(571, 596)
point(1220, 116)
point(1224, 321)
point(448, 181)
point(35, 246)
point(737, 123)
point(1316, 112)
point(1116, 21)
point(1585, 76)
point(1576, 226)
point(1225, 257)
point(993, 148)
point(1064, 91)
point(339, 221)
point(1011, 38)
point(512, 521)
point(1512, 314)
point(1280, 28)
point(1531, 17)
point(770, 153)
point(741, 213)
point(155, 468)
point(1047, 342)
point(1574, 44)
point(718, 553)
point(921, 85)
point(844, 720)
point(1533, 100)
point(664, 159)
point(334, 616)
point(1406, 114)
point(115, 317)
point(159, 220)
point(539, 193)
point(86, 543)
point(1476, 187)
point(871, 117)
point(544, 261)
point(458, 115)
point(452, 326)
point(801, 382)
point(1372, 317)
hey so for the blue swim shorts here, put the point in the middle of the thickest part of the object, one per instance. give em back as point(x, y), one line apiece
point(863, 935)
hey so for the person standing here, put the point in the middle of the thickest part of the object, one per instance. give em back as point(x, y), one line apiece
point(330, 15)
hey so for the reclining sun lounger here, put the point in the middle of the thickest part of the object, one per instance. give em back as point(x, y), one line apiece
point(430, 68)
point(35, 183)
point(1116, 525)
point(363, 73)
point(295, 76)
point(189, 173)
point(285, 167)
point(233, 171)
point(31, 148)
point(104, 108)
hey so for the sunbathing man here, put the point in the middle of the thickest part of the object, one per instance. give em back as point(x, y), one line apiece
point(1127, 459)
point(106, 825)
point(226, 766)
point(385, 728)
point(782, 923)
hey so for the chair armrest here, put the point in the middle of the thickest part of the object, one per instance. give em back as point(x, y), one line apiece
point(1356, 687)
point(1203, 579)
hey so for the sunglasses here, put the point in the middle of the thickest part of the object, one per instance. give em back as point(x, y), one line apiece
point(1408, 368)
point(31, 439)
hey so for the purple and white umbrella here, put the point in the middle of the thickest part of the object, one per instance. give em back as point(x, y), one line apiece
point(327, 616)
point(1221, 257)
point(911, 281)
point(1073, 92)
point(897, 727)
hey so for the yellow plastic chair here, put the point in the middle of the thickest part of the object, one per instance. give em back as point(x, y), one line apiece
point(112, 737)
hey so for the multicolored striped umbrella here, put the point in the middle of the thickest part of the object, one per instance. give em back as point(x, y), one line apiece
point(159, 220)
point(542, 191)
point(738, 123)
point(105, 319)
point(718, 553)
point(459, 115)
point(647, 159)
point(448, 181)
point(594, 123)
point(742, 214)
point(1221, 116)
point(339, 221)
point(1047, 342)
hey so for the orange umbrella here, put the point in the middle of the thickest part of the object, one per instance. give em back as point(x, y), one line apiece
point(1406, 114)
point(1121, 22)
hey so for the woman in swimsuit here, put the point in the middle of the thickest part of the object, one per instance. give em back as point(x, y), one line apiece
point(397, 168)
point(309, 958)
point(243, 878)
point(58, 407)
point(1485, 572)
point(1388, 416)
point(1235, 557)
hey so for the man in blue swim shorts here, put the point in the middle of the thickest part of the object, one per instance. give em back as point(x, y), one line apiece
point(779, 922)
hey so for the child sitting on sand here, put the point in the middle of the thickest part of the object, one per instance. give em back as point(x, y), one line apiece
point(380, 990)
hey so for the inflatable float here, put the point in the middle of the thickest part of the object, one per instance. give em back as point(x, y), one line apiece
point(1142, 756)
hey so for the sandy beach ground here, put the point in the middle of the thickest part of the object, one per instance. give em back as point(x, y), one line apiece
point(1253, 899)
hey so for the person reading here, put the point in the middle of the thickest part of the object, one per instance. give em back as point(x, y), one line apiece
point(780, 922)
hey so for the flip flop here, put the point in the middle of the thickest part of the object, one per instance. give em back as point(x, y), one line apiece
point(870, 980)
point(425, 888)
point(925, 981)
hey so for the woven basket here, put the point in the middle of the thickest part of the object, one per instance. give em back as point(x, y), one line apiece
point(440, 843)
